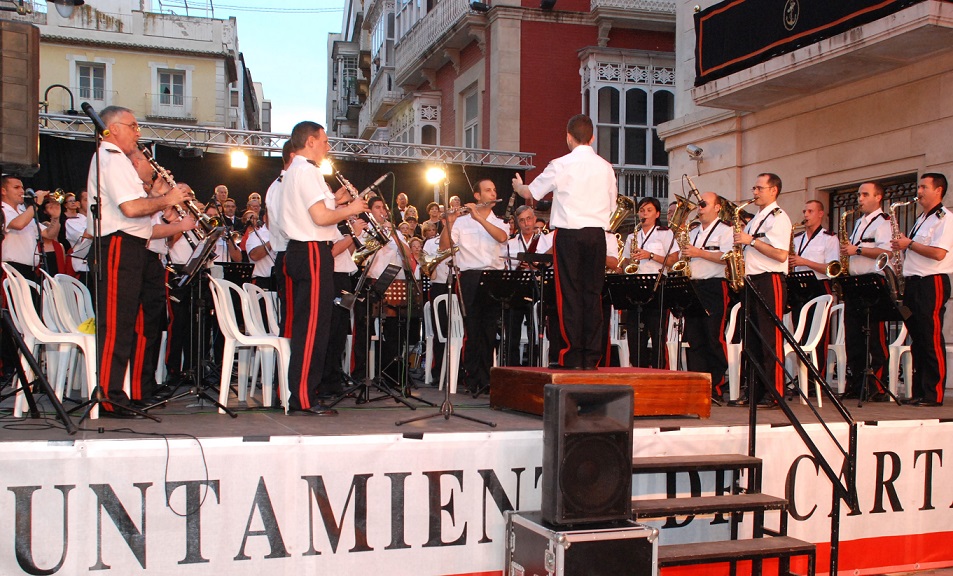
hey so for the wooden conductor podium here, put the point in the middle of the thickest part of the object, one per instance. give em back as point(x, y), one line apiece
point(657, 392)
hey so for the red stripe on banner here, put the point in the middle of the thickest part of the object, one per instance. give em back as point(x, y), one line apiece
point(109, 340)
point(559, 304)
point(938, 350)
point(135, 368)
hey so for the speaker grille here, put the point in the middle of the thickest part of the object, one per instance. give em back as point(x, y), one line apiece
point(593, 471)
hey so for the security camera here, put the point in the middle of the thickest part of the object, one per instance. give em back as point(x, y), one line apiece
point(694, 152)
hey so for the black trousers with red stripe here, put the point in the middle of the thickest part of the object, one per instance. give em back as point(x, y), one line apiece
point(580, 272)
point(122, 274)
point(333, 378)
point(311, 269)
point(150, 321)
point(282, 284)
point(480, 336)
point(766, 349)
point(926, 297)
point(859, 348)
point(705, 335)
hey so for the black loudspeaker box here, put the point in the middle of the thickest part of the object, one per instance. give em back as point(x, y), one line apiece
point(19, 98)
point(587, 454)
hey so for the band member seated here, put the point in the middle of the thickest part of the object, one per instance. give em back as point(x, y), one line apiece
point(479, 234)
point(519, 312)
point(652, 248)
point(705, 334)
point(869, 239)
point(814, 249)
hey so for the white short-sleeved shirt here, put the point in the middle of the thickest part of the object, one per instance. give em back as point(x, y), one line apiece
point(934, 229)
point(180, 251)
point(279, 242)
point(821, 247)
point(478, 250)
point(120, 184)
point(773, 226)
point(263, 265)
point(657, 240)
point(545, 244)
point(303, 186)
point(583, 186)
point(20, 246)
point(515, 246)
point(870, 231)
point(386, 256)
point(344, 261)
point(716, 237)
point(158, 245)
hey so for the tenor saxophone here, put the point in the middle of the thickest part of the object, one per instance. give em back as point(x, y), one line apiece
point(735, 258)
point(843, 236)
point(895, 278)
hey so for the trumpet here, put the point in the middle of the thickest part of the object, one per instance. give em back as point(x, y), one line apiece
point(374, 230)
point(430, 262)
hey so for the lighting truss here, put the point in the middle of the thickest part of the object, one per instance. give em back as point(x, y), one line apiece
point(225, 139)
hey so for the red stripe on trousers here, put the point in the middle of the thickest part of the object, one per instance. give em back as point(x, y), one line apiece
point(559, 305)
point(314, 265)
point(938, 350)
point(135, 369)
point(109, 340)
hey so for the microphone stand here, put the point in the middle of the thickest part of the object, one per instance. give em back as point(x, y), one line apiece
point(453, 288)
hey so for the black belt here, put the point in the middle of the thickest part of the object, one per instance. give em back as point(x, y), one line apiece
point(920, 278)
point(765, 274)
point(128, 236)
point(328, 243)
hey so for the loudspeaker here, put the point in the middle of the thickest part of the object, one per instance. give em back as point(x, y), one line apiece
point(19, 98)
point(587, 454)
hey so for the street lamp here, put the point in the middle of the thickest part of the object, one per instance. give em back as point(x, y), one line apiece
point(46, 99)
point(63, 7)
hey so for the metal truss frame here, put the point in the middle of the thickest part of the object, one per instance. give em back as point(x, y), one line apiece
point(210, 137)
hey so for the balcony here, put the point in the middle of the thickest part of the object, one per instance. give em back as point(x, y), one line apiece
point(365, 124)
point(170, 107)
point(903, 39)
point(451, 24)
point(642, 182)
point(382, 99)
point(637, 14)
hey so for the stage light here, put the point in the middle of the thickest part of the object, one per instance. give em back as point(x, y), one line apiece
point(326, 168)
point(239, 159)
point(435, 175)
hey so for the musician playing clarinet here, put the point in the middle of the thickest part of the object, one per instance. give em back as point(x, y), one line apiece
point(479, 234)
point(522, 242)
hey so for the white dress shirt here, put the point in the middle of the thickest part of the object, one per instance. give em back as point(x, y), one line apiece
point(120, 184)
point(820, 247)
point(478, 250)
point(442, 270)
point(20, 246)
point(515, 246)
point(716, 237)
point(279, 241)
point(256, 238)
point(583, 186)
point(772, 226)
point(303, 186)
point(871, 231)
point(934, 230)
point(657, 240)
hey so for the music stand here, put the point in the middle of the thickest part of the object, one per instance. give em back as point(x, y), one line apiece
point(681, 301)
point(869, 292)
point(802, 287)
point(501, 288)
point(237, 272)
point(628, 292)
point(191, 275)
point(545, 292)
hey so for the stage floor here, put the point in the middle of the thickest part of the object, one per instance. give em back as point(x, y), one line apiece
point(185, 417)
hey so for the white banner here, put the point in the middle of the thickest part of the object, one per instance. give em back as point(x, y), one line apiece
point(396, 505)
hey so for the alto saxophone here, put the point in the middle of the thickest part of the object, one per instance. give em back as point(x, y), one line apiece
point(843, 237)
point(895, 279)
point(683, 267)
point(735, 258)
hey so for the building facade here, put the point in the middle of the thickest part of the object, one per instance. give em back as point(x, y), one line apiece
point(508, 75)
point(165, 67)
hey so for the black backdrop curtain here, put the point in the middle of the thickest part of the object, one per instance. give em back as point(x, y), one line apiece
point(64, 163)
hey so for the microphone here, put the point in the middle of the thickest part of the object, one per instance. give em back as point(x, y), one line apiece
point(29, 193)
point(691, 185)
point(375, 185)
point(97, 121)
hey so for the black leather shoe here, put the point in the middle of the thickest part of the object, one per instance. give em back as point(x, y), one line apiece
point(741, 402)
point(912, 401)
point(879, 397)
point(316, 410)
point(928, 403)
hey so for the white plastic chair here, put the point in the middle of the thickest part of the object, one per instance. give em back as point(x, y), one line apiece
point(675, 362)
point(813, 320)
point(237, 343)
point(455, 342)
point(28, 339)
point(837, 350)
point(618, 340)
point(899, 350)
point(733, 352)
point(428, 345)
point(258, 325)
point(30, 323)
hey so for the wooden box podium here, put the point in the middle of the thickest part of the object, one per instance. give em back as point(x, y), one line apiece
point(657, 392)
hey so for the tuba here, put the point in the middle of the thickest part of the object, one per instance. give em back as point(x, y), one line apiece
point(624, 207)
point(430, 262)
point(735, 258)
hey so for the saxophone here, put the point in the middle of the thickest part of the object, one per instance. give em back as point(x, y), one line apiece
point(791, 249)
point(843, 236)
point(735, 258)
point(682, 268)
point(895, 276)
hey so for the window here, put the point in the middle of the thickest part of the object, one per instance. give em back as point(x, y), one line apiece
point(92, 81)
point(171, 88)
point(234, 98)
point(471, 118)
point(428, 135)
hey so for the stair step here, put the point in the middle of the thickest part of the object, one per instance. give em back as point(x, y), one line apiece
point(730, 550)
point(704, 462)
point(663, 507)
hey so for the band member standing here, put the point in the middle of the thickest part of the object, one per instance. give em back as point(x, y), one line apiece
point(927, 265)
point(262, 254)
point(653, 247)
point(522, 310)
point(126, 226)
point(279, 240)
point(705, 335)
point(584, 193)
point(479, 235)
point(21, 235)
point(766, 239)
point(308, 218)
point(814, 249)
point(870, 239)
